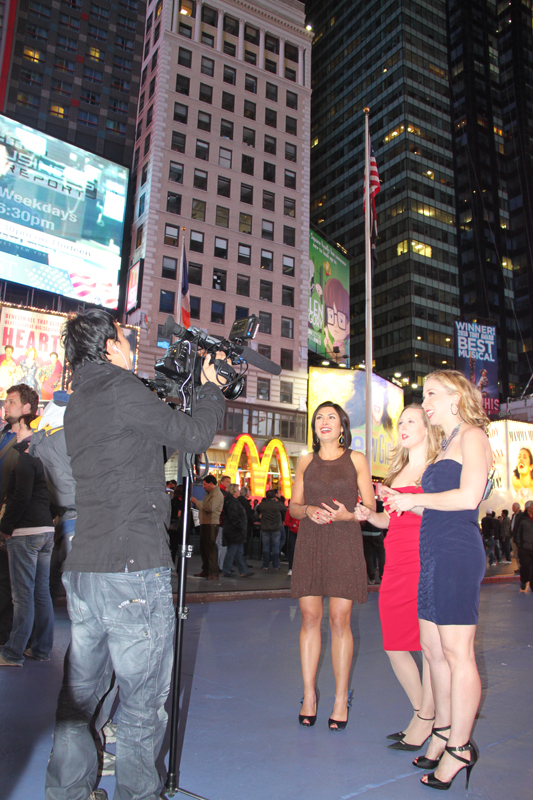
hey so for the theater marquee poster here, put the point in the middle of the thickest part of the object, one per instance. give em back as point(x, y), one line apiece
point(329, 301)
point(476, 357)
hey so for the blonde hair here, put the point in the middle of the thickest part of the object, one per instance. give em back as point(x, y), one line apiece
point(470, 406)
point(231, 487)
point(400, 454)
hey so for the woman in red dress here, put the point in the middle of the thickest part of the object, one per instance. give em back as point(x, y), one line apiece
point(417, 447)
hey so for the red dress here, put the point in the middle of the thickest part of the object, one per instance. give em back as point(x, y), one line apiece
point(399, 586)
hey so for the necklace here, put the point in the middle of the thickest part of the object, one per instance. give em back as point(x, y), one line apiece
point(446, 442)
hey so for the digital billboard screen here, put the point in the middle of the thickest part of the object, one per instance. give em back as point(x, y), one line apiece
point(61, 216)
point(329, 301)
point(348, 388)
point(476, 357)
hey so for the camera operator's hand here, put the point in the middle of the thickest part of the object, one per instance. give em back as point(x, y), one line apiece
point(209, 372)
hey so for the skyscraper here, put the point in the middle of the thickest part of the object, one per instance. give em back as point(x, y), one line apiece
point(389, 55)
point(221, 167)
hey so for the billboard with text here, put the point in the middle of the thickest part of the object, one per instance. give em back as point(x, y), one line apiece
point(477, 358)
point(329, 301)
point(61, 216)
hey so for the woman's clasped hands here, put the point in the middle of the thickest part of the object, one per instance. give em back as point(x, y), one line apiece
point(325, 515)
point(397, 502)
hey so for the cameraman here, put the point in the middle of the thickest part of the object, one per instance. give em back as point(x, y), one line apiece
point(117, 575)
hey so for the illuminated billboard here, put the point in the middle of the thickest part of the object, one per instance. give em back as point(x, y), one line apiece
point(329, 301)
point(477, 358)
point(348, 389)
point(61, 216)
point(512, 447)
point(133, 289)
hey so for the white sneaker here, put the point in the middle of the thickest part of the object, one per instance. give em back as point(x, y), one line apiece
point(109, 732)
point(289, 572)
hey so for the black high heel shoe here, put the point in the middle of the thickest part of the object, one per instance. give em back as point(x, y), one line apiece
point(308, 720)
point(435, 783)
point(430, 763)
point(397, 737)
point(401, 744)
point(341, 724)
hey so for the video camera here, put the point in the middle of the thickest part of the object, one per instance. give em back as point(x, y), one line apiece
point(179, 372)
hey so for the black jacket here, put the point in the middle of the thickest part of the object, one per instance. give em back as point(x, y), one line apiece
point(115, 429)
point(28, 501)
point(524, 537)
point(235, 522)
point(270, 513)
point(245, 503)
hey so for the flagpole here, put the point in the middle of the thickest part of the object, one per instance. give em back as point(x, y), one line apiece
point(180, 276)
point(368, 299)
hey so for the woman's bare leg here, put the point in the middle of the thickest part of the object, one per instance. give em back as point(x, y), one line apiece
point(340, 613)
point(419, 693)
point(458, 647)
point(310, 644)
point(440, 683)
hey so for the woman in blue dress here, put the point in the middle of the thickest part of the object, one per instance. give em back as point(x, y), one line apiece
point(452, 566)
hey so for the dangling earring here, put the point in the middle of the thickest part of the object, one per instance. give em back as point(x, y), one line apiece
point(341, 439)
point(456, 409)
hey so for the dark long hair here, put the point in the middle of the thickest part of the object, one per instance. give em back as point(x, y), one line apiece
point(528, 451)
point(345, 425)
point(85, 336)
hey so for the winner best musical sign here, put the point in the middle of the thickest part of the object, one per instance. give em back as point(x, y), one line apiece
point(259, 465)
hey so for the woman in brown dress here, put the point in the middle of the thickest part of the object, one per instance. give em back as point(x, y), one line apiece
point(329, 560)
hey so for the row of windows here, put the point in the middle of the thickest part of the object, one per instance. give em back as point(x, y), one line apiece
point(229, 75)
point(43, 11)
point(64, 65)
point(73, 24)
point(32, 103)
point(228, 104)
point(167, 305)
point(65, 88)
point(244, 256)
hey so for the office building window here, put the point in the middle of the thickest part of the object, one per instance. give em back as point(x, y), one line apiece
point(264, 350)
point(218, 311)
point(265, 322)
point(243, 285)
point(226, 129)
point(206, 93)
point(289, 207)
point(167, 301)
point(250, 83)
point(202, 150)
point(271, 43)
point(288, 266)
point(250, 58)
point(182, 84)
point(271, 117)
point(247, 193)
point(230, 49)
point(219, 279)
point(185, 30)
point(230, 75)
point(292, 100)
point(184, 57)
point(286, 359)
point(175, 172)
point(198, 210)
point(287, 328)
point(248, 137)
point(290, 74)
point(265, 291)
point(172, 235)
point(290, 152)
point(224, 158)
point(267, 260)
point(209, 16)
point(223, 186)
point(197, 242)
point(231, 25)
point(241, 312)
point(170, 268)
point(204, 121)
point(244, 254)
point(270, 144)
point(228, 101)
point(287, 296)
point(178, 142)
point(208, 39)
point(267, 229)
point(251, 34)
point(291, 125)
point(195, 273)
point(222, 217)
point(290, 179)
point(139, 239)
point(194, 303)
point(272, 92)
point(200, 179)
point(207, 66)
point(271, 66)
point(289, 236)
point(221, 247)
point(263, 389)
point(285, 392)
point(181, 113)
point(249, 109)
point(173, 203)
point(269, 172)
point(245, 223)
point(247, 165)
point(269, 200)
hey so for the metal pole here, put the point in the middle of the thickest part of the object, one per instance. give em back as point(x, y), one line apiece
point(180, 276)
point(368, 302)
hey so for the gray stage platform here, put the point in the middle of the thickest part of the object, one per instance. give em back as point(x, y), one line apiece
point(242, 685)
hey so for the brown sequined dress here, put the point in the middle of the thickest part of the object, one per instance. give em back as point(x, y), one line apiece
point(328, 559)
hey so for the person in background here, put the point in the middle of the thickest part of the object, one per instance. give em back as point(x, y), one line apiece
point(271, 524)
point(283, 532)
point(489, 540)
point(234, 532)
point(497, 538)
point(28, 526)
point(505, 535)
point(525, 548)
point(210, 509)
point(515, 521)
point(373, 546)
point(20, 400)
point(244, 500)
point(223, 484)
point(292, 526)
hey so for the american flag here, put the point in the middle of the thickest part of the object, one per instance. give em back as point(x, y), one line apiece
point(185, 306)
point(374, 184)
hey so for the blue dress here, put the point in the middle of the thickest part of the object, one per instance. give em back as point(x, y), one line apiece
point(452, 556)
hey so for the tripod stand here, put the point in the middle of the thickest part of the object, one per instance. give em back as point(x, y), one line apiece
point(172, 786)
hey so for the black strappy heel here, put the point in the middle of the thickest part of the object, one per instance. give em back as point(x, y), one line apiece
point(308, 720)
point(401, 744)
point(341, 724)
point(430, 763)
point(435, 783)
point(397, 737)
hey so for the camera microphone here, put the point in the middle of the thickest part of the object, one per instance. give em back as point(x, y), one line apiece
point(259, 361)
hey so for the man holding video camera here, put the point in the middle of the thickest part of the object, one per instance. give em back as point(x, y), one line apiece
point(117, 575)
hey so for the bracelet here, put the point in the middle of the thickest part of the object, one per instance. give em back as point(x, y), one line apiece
point(305, 509)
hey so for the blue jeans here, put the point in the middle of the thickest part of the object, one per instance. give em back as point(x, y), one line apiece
point(235, 552)
point(29, 568)
point(121, 621)
point(271, 540)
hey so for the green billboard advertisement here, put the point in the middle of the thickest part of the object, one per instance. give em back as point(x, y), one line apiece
point(329, 300)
